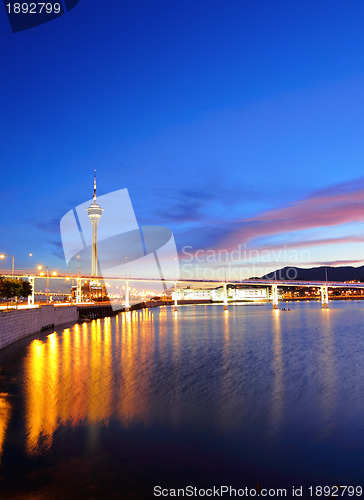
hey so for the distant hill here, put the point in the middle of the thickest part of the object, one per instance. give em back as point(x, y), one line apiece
point(345, 273)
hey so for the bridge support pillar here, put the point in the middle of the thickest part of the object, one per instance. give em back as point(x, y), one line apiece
point(31, 280)
point(175, 297)
point(275, 296)
point(127, 302)
point(225, 298)
point(324, 297)
point(78, 291)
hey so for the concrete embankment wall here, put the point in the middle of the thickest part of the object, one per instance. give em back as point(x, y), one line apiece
point(93, 311)
point(19, 323)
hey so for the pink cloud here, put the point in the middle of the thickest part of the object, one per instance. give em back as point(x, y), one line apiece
point(319, 210)
point(312, 243)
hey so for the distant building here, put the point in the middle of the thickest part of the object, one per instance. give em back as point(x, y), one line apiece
point(90, 291)
point(249, 294)
point(235, 294)
point(192, 294)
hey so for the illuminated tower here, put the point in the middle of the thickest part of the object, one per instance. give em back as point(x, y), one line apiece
point(94, 212)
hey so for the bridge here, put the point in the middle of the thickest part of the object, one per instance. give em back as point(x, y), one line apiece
point(175, 283)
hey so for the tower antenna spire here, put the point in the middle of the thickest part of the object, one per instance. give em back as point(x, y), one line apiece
point(94, 212)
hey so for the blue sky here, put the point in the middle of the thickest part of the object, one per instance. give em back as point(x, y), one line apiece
point(232, 123)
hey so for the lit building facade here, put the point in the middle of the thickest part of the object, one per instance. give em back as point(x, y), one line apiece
point(217, 294)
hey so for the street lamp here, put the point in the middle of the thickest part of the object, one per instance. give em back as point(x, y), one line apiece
point(29, 255)
point(3, 255)
point(47, 291)
point(54, 273)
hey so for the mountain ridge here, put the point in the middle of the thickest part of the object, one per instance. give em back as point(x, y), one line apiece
point(322, 273)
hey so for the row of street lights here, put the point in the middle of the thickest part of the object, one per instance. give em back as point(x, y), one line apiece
point(4, 255)
point(54, 273)
point(47, 275)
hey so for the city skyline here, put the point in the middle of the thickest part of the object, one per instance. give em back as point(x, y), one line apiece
point(245, 132)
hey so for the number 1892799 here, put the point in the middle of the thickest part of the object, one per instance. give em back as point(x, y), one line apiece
point(33, 8)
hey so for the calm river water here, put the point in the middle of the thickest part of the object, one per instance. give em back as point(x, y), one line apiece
point(111, 408)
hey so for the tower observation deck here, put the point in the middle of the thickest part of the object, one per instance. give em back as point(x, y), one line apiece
point(94, 213)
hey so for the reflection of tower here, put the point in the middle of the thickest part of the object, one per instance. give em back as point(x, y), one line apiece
point(94, 212)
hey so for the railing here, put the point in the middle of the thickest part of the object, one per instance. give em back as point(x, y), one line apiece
point(66, 275)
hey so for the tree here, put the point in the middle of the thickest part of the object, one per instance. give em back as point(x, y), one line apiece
point(10, 287)
point(26, 289)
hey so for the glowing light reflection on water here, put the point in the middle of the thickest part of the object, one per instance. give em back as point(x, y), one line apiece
point(250, 389)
